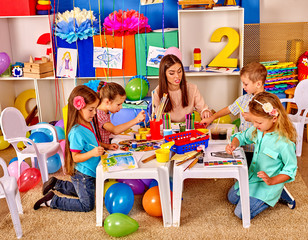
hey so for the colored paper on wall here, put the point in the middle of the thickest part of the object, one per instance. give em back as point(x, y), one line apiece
point(107, 57)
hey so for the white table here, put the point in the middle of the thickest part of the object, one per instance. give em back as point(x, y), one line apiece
point(200, 171)
point(149, 170)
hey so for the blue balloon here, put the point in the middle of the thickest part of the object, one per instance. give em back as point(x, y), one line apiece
point(54, 163)
point(119, 198)
point(13, 160)
point(125, 115)
point(39, 137)
point(60, 133)
point(153, 183)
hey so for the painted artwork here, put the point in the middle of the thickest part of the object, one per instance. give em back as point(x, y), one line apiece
point(66, 62)
point(107, 58)
point(147, 2)
point(155, 56)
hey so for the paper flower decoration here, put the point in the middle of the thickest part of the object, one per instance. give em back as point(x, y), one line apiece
point(76, 24)
point(93, 84)
point(125, 23)
point(79, 102)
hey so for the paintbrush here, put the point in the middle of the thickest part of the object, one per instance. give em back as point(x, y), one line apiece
point(201, 136)
point(239, 106)
point(149, 158)
point(193, 163)
point(191, 157)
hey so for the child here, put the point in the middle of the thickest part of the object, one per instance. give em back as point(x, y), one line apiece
point(274, 161)
point(253, 77)
point(82, 152)
point(184, 97)
point(112, 96)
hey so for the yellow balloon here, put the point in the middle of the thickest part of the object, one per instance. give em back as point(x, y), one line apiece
point(3, 144)
point(21, 145)
point(108, 184)
point(224, 120)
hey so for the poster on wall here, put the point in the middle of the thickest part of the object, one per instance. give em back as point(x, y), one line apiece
point(147, 2)
point(66, 62)
point(155, 55)
point(107, 57)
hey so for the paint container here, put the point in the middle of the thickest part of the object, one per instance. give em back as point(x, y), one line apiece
point(167, 132)
point(149, 136)
point(134, 145)
point(138, 136)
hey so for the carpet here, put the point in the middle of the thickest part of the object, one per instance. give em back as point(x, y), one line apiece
point(206, 214)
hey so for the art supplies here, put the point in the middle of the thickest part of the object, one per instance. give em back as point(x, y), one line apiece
point(161, 107)
point(119, 161)
point(190, 121)
point(193, 163)
point(149, 158)
point(196, 155)
point(166, 121)
point(140, 145)
point(239, 106)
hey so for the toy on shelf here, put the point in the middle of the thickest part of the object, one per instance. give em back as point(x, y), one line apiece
point(38, 69)
point(230, 2)
point(197, 3)
point(17, 69)
point(43, 7)
point(197, 61)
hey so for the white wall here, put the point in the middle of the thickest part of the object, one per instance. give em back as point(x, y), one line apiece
point(276, 11)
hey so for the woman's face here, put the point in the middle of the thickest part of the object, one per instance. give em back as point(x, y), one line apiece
point(174, 75)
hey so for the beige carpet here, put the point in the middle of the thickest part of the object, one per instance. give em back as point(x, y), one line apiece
point(206, 214)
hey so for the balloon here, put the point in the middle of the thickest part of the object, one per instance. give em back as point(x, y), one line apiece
point(53, 163)
point(224, 119)
point(108, 184)
point(125, 115)
point(13, 160)
point(146, 182)
point(153, 183)
point(28, 179)
point(4, 62)
point(21, 144)
point(60, 124)
point(151, 202)
point(119, 198)
point(62, 145)
point(137, 88)
point(174, 51)
point(39, 137)
point(3, 144)
point(119, 225)
point(60, 133)
point(13, 168)
point(135, 184)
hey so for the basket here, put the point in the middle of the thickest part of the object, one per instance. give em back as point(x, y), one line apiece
point(183, 143)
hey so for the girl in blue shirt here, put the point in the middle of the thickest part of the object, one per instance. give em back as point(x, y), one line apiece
point(274, 161)
point(82, 155)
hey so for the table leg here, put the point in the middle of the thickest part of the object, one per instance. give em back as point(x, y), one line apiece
point(165, 198)
point(177, 195)
point(244, 193)
point(99, 196)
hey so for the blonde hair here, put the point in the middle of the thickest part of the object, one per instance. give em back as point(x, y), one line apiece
point(72, 119)
point(69, 55)
point(255, 72)
point(283, 125)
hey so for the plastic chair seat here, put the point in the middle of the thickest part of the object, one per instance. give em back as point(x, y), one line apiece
point(239, 172)
point(43, 148)
point(9, 191)
point(150, 170)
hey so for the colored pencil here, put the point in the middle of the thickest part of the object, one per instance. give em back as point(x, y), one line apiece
point(239, 106)
point(193, 163)
point(149, 158)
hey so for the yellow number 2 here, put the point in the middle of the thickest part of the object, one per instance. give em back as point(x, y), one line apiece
point(222, 59)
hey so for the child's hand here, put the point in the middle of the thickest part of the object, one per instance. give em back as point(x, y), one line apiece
point(265, 177)
point(98, 151)
point(113, 146)
point(230, 148)
point(246, 116)
point(141, 116)
point(206, 114)
point(206, 121)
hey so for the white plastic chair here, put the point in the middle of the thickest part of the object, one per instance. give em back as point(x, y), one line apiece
point(298, 120)
point(14, 130)
point(9, 191)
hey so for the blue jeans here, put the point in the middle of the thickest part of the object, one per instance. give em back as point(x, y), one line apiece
point(82, 186)
point(256, 205)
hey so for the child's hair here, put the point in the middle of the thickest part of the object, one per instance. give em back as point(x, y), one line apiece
point(283, 125)
point(110, 90)
point(166, 62)
point(69, 55)
point(255, 72)
point(72, 119)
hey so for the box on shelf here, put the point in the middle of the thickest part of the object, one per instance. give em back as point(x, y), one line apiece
point(38, 69)
point(152, 39)
point(127, 43)
point(17, 7)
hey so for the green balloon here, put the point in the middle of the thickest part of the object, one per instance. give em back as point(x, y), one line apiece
point(136, 89)
point(119, 225)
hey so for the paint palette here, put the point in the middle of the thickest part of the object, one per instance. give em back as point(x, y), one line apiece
point(224, 163)
point(142, 145)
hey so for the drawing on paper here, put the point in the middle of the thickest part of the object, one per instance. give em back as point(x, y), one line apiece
point(107, 58)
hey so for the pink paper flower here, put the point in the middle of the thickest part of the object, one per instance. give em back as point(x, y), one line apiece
point(79, 102)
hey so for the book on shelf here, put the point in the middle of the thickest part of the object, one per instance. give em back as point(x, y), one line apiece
point(119, 161)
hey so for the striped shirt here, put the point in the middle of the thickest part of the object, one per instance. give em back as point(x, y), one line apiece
point(103, 118)
point(243, 101)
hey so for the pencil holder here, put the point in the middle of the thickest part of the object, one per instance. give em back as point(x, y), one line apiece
point(155, 129)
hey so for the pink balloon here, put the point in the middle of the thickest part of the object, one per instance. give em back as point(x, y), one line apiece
point(13, 168)
point(174, 51)
point(4, 62)
point(62, 145)
point(29, 179)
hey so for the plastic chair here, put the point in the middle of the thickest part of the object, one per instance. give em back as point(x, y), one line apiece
point(9, 191)
point(14, 130)
point(150, 170)
point(200, 171)
point(298, 119)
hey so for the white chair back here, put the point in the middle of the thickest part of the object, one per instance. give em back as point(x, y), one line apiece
point(301, 96)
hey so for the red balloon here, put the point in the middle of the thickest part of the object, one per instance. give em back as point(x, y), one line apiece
point(28, 179)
